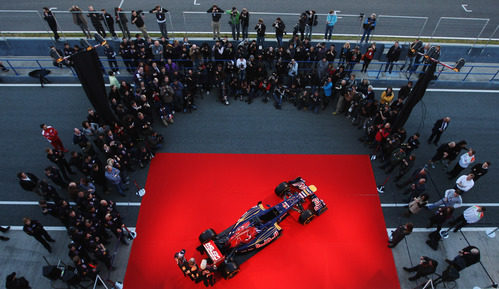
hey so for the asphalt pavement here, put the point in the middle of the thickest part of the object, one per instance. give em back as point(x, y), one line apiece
point(255, 128)
point(476, 12)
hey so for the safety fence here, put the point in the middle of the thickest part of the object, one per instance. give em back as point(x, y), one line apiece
point(192, 22)
point(376, 70)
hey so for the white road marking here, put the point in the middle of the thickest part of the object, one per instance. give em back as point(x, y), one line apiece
point(465, 9)
point(376, 88)
point(33, 203)
point(52, 228)
point(396, 205)
point(196, 3)
point(465, 229)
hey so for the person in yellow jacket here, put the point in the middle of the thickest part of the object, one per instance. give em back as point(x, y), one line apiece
point(387, 96)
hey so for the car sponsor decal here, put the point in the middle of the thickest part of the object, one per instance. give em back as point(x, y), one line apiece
point(266, 241)
point(213, 252)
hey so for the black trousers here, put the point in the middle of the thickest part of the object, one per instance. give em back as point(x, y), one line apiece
point(435, 134)
point(43, 237)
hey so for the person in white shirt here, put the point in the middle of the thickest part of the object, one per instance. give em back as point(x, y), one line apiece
point(451, 199)
point(241, 66)
point(464, 183)
point(471, 215)
point(464, 161)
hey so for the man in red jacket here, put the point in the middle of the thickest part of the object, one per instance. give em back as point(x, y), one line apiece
point(52, 137)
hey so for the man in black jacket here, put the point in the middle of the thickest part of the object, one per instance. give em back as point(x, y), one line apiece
point(96, 18)
point(160, 13)
point(216, 14)
point(438, 128)
point(35, 229)
point(392, 56)
point(280, 29)
point(109, 22)
point(28, 182)
point(425, 267)
point(16, 283)
point(49, 17)
point(467, 257)
point(479, 170)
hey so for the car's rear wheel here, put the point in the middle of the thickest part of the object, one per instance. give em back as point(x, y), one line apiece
point(207, 236)
point(281, 189)
point(230, 270)
point(306, 217)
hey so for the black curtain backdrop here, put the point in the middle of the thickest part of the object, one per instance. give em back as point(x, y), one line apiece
point(415, 96)
point(89, 70)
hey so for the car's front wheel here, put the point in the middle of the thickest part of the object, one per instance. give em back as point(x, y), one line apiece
point(207, 236)
point(306, 217)
point(281, 189)
point(230, 270)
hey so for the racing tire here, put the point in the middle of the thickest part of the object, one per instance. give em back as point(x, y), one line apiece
point(306, 217)
point(281, 189)
point(230, 270)
point(207, 236)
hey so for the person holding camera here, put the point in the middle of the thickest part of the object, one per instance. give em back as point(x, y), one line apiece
point(244, 20)
point(216, 14)
point(139, 22)
point(310, 23)
point(425, 267)
point(49, 17)
point(280, 30)
point(466, 257)
point(234, 22)
point(96, 18)
point(160, 13)
point(260, 32)
point(330, 22)
point(369, 25)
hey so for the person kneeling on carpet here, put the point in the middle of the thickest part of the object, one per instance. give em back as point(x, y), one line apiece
point(181, 261)
point(193, 270)
point(425, 267)
point(207, 273)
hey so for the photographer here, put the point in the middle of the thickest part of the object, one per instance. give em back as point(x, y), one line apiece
point(311, 21)
point(241, 65)
point(260, 33)
point(280, 29)
point(369, 25)
point(244, 20)
point(426, 266)
point(467, 257)
point(216, 14)
point(292, 70)
point(234, 22)
point(139, 22)
point(161, 19)
point(49, 17)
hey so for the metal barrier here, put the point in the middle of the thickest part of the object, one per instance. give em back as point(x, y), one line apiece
point(199, 21)
point(22, 66)
point(462, 27)
point(348, 24)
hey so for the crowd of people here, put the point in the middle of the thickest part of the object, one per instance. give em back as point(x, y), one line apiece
point(168, 77)
point(108, 152)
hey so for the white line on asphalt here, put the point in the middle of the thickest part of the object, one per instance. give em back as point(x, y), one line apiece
point(465, 9)
point(394, 205)
point(51, 228)
point(354, 36)
point(32, 203)
point(376, 88)
point(465, 229)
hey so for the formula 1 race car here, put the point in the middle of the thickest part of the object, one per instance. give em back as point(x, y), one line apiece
point(258, 227)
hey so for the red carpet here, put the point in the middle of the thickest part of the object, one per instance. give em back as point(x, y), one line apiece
point(188, 193)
